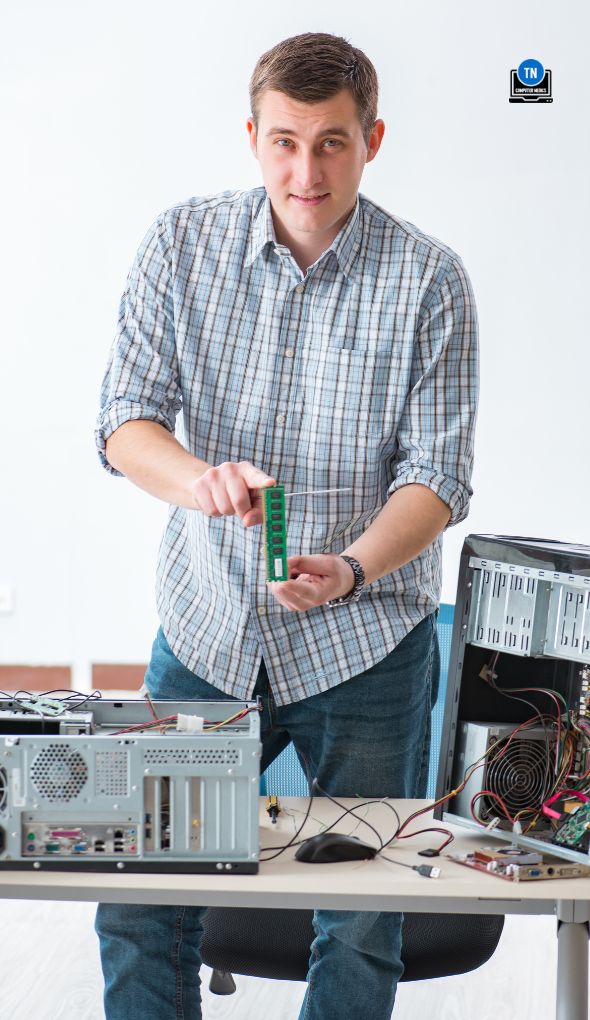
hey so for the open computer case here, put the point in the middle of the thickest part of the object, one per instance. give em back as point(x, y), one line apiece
point(516, 734)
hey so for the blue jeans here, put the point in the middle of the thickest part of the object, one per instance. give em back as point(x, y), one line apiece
point(370, 737)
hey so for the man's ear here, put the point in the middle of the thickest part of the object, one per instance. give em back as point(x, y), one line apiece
point(252, 132)
point(375, 139)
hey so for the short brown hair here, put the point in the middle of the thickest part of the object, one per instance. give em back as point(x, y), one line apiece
point(316, 66)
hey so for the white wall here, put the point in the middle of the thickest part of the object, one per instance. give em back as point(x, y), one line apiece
point(116, 110)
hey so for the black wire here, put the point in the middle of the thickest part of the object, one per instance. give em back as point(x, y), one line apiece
point(292, 842)
point(75, 695)
point(364, 803)
point(314, 784)
point(345, 811)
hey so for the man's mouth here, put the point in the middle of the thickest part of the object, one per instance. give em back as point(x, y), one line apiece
point(310, 200)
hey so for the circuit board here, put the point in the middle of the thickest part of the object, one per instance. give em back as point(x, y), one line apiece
point(574, 831)
point(275, 532)
point(512, 871)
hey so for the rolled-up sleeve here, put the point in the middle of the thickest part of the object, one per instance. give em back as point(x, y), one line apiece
point(436, 428)
point(141, 379)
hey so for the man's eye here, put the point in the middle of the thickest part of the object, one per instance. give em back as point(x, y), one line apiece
point(283, 142)
point(332, 143)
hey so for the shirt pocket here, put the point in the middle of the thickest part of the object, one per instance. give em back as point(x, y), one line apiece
point(345, 389)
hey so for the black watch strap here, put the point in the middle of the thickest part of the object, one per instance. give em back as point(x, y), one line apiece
point(359, 583)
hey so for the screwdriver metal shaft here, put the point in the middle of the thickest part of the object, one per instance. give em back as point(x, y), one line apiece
point(315, 492)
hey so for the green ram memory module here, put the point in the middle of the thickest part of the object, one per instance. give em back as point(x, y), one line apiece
point(275, 532)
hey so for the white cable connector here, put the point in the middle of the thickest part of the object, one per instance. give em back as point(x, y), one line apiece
point(189, 723)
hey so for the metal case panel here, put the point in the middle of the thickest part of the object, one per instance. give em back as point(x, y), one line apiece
point(568, 622)
point(509, 609)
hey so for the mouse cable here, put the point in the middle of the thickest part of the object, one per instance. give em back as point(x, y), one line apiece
point(294, 841)
point(313, 784)
point(355, 807)
point(427, 871)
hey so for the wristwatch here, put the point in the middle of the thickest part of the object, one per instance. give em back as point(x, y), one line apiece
point(359, 583)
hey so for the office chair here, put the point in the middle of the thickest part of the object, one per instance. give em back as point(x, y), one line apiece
point(274, 943)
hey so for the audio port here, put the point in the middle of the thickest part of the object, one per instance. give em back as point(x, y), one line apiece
point(31, 847)
point(550, 871)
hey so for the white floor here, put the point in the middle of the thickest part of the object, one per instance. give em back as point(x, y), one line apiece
point(50, 970)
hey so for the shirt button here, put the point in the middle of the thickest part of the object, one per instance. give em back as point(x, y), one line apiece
point(280, 419)
point(299, 288)
point(261, 611)
point(289, 352)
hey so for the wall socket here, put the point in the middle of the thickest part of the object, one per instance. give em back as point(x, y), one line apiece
point(6, 599)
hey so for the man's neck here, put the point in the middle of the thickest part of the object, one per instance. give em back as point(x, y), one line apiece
point(304, 251)
point(305, 254)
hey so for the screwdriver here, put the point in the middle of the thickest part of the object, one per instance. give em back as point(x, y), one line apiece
point(315, 492)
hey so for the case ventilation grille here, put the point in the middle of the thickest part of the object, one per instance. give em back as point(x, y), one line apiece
point(58, 773)
point(112, 773)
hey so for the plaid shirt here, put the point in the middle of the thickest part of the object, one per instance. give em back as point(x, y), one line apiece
point(360, 374)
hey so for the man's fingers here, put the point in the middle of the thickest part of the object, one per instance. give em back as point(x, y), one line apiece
point(232, 489)
point(204, 498)
point(239, 495)
point(220, 494)
point(319, 563)
point(254, 477)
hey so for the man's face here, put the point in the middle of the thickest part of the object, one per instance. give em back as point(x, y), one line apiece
point(312, 157)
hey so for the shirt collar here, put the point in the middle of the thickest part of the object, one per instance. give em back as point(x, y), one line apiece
point(262, 233)
point(345, 245)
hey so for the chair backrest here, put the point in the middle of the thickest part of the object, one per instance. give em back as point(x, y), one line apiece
point(286, 778)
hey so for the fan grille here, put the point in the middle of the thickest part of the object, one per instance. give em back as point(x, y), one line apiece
point(58, 773)
point(518, 774)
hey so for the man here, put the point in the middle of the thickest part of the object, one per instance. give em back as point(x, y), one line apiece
point(313, 340)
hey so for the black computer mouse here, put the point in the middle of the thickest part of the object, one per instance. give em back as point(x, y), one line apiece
point(329, 847)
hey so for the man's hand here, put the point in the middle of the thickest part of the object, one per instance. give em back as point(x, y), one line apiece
point(313, 581)
point(232, 489)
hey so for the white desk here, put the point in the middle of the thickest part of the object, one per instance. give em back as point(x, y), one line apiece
point(356, 885)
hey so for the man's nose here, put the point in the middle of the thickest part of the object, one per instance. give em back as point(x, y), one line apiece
point(308, 171)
